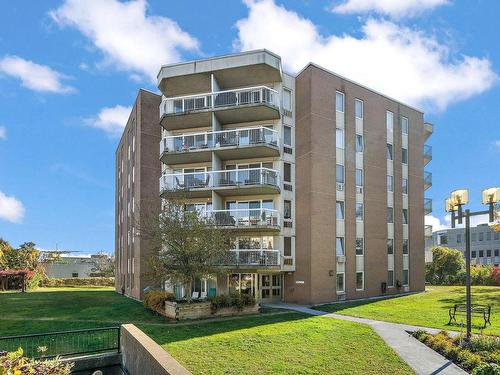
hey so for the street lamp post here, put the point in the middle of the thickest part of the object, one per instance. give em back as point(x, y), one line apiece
point(454, 204)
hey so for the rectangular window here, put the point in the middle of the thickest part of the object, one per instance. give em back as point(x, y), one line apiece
point(497, 236)
point(405, 216)
point(473, 254)
point(340, 210)
point(358, 108)
point(359, 281)
point(359, 177)
point(390, 278)
point(474, 237)
point(287, 100)
point(459, 237)
point(287, 135)
point(340, 173)
point(389, 121)
point(339, 101)
point(287, 251)
point(481, 236)
point(359, 211)
point(287, 172)
point(389, 152)
point(404, 156)
point(390, 183)
point(287, 210)
point(443, 239)
point(404, 125)
point(488, 253)
point(488, 236)
point(496, 252)
point(481, 253)
point(390, 246)
point(339, 246)
point(359, 143)
point(405, 277)
point(340, 282)
point(404, 185)
point(360, 246)
point(339, 138)
point(405, 247)
point(390, 215)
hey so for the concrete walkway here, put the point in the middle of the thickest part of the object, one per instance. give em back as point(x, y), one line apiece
point(422, 359)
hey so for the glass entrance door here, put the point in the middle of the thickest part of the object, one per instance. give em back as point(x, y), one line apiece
point(270, 287)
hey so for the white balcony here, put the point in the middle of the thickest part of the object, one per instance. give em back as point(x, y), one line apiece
point(252, 258)
point(241, 143)
point(231, 106)
point(428, 231)
point(226, 182)
point(247, 218)
point(428, 130)
point(427, 206)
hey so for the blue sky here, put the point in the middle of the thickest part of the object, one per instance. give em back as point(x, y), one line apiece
point(69, 70)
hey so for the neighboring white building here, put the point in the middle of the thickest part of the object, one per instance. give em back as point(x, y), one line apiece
point(71, 267)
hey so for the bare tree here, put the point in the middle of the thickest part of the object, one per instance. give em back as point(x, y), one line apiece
point(185, 244)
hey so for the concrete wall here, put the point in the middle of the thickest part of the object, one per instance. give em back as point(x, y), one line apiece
point(141, 355)
point(67, 269)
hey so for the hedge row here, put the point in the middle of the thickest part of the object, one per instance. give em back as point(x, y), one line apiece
point(91, 281)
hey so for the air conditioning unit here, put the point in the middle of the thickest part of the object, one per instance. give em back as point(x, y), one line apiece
point(340, 187)
point(359, 189)
point(340, 297)
point(341, 259)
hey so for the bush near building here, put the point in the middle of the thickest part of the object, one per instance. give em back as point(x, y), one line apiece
point(155, 300)
point(90, 281)
point(448, 268)
point(15, 363)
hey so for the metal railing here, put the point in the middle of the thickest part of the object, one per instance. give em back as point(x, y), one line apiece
point(427, 179)
point(64, 343)
point(219, 99)
point(244, 257)
point(428, 129)
point(428, 151)
point(215, 179)
point(246, 218)
point(223, 138)
point(427, 206)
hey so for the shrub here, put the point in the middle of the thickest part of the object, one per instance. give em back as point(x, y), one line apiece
point(487, 369)
point(16, 363)
point(155, 300)
point(34, 280)
point(495, 275)
point(233, 300)
point(89, 281)
point(484, 343)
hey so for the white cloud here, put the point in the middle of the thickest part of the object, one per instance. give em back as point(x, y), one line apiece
point(34, 76)
point(110, 119)
point(436, 223)
point(130, 39)
point(401, 62)
point(497, 144)
point(394, 8)
point(3, 133)
point(11, 209)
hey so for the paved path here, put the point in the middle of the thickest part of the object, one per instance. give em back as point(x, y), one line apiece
point(422, 359)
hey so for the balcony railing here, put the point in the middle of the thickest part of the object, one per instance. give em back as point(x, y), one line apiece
point(252, 258)
point(428, 231)
point(427, 154)
point(428, 130)
point(246, 218)
point(427, 206)
point(219, 179)
point(219, 99)
point(427, 180)
point(223, 138)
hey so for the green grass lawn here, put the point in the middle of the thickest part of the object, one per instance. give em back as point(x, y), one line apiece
point(289, 343)
point(425, 309)
point(272, 343)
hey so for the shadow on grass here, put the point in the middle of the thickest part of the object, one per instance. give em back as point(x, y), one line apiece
point(173, 333)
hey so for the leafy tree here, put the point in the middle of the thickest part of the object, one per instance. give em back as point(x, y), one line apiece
point(446, 265)
point(104, 265)
point(25, 257)
point(5, 249)
point(185, 245)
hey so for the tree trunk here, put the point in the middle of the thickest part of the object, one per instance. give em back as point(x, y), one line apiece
point(189, 287)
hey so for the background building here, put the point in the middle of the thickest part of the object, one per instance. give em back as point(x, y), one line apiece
point(70, 267)
point(322, 179)
point(137, 172)
point(485, 243)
